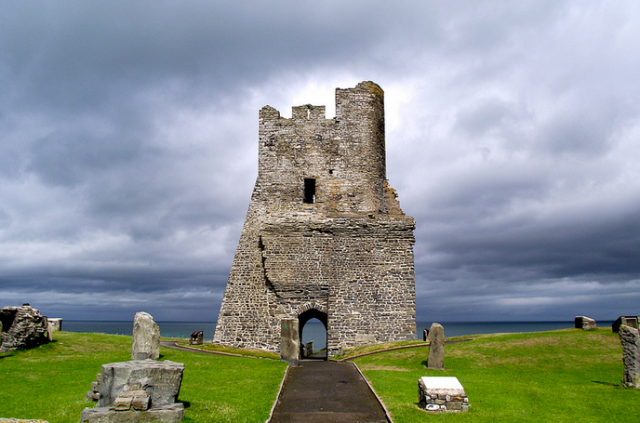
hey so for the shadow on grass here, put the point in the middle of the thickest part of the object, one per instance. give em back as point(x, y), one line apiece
point(615, 385)
point(185, 404)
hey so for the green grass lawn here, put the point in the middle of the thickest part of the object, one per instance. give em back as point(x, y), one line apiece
point(50, 382)
point(561, 376)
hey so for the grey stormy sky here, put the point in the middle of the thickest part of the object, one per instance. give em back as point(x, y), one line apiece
point(128, 147)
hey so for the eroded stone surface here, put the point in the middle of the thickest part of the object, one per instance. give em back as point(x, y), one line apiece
point(23, 327)
point(290, 341)
point(146, 338)
point(436, 347)
point(585, 323)
point(167, 413)
point(161, 380)
point(630, 356)
point(324, 232)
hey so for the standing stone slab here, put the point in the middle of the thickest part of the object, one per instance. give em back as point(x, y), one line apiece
point(436, 347)
point(290, 341)
point(630, 356)
point(146, 338)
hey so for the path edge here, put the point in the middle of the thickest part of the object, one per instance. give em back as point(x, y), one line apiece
point(375, 394)
point(273, 407)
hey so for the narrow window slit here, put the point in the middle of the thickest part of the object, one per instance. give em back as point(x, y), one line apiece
point(309, 191)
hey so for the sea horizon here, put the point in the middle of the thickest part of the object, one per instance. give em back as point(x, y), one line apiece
point(314, 330)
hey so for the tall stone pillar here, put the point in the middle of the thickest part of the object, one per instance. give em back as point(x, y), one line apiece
point(290, 341)
point(630, 356)
point(436, 347)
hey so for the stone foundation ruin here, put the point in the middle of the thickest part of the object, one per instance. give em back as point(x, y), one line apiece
point(324, 236)
point(22, 328)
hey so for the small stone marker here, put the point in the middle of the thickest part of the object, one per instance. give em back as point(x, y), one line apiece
point(146, 338)
point(630, 340)
point(290, 341)
point(585, 323)
point(436, 347)
point(197, 338)
point(442, 394)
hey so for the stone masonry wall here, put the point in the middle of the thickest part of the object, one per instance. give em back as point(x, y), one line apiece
point(348, 252)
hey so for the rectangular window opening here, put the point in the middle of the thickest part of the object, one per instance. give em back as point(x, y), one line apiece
point(309, 191)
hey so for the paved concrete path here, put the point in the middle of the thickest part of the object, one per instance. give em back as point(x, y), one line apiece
point(326, 392)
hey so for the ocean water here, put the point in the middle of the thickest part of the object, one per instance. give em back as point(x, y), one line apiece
point(314, 330)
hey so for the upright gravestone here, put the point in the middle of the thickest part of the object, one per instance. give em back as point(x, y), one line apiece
point(146, 338)
point(436, 347)
point(290, 341)
point(630, 356)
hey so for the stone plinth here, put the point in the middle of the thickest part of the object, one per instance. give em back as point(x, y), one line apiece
point(160, 379)
point(442, 394)
point(585, 323)
point(172, 413)
point(137, 391)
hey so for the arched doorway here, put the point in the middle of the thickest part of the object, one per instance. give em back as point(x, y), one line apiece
point(312, 325)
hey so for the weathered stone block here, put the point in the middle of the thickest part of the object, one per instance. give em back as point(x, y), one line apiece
point(290, 341)
point(172, 413)
point(23, 327)
point(442, 394)
point(197, 338)
point(436, 347)
point(630, 340)
point(146, 338)
point(585, 323)
point(161, 380)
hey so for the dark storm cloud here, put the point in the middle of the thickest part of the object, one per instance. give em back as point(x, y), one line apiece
point(129, 146)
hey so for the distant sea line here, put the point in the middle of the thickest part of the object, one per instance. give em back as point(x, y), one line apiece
point(315, 331)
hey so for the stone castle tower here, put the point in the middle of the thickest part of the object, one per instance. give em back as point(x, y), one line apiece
point(324, 236)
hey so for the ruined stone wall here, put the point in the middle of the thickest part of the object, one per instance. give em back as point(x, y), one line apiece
point(347, 252)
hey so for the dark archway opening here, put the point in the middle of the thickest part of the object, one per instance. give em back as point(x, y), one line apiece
point(313, 328)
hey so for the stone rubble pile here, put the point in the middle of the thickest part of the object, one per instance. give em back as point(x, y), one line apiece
point(22, 328)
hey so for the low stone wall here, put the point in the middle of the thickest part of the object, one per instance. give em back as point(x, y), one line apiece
point(442, 394)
